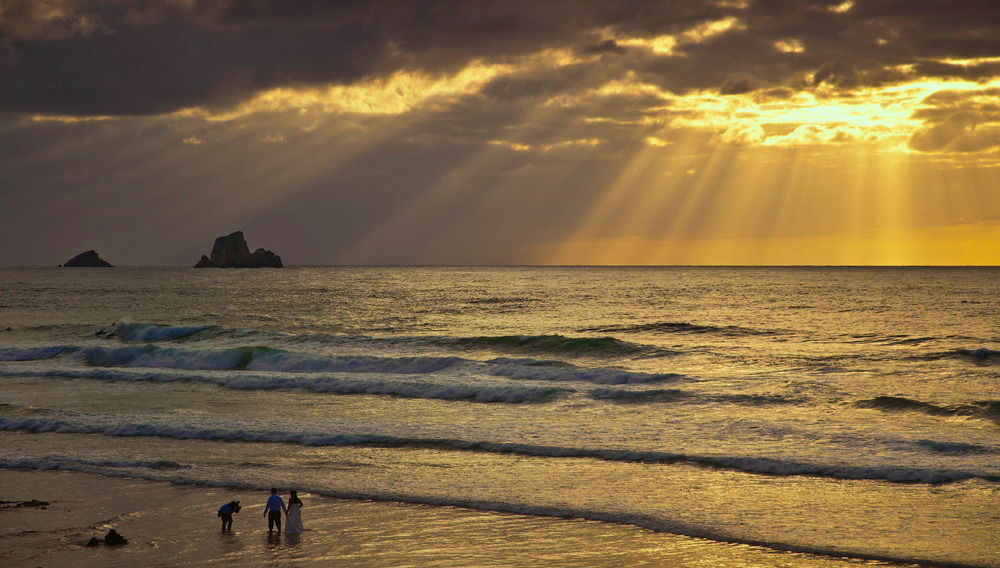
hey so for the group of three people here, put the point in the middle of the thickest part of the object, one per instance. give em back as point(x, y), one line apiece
point(275, 505)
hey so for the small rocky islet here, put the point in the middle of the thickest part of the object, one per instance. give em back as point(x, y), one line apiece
point(231, 251)
point(89, 259)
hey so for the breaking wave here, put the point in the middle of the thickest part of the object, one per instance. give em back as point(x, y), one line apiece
point(980, 356)
point(257, 359)
point(984, 409)
point(130, 331)
point(549, 344)
point(439, 388)
point(248, 432)
point(676, 395)
point(34, 353)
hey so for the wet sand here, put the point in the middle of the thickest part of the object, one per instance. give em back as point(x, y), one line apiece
point(171, 525)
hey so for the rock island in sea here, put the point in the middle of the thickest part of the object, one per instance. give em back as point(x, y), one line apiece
point(231, 251)
point(89, 259)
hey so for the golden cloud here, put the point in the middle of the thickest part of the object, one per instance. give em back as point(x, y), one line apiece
point(789, 46)
point(518, 147)
point(666, 45)
point(398, 93)
point(909, 115)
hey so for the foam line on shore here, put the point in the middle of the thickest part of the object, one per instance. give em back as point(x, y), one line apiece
point(663, 525)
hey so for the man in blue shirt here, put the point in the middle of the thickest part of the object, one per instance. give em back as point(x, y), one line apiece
point(275, 506)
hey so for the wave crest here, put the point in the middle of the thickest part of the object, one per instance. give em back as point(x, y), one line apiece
point(592, 375)
point(985, 409)
point(441, 388)
point(552, 344)
point(678, 327)
point(258, 359)
point(749, 464)
point(34, 353)
point(131, 331)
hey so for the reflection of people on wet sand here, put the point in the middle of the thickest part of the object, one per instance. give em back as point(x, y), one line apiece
point(275, 505)
point(227, 511)
point(293, 524)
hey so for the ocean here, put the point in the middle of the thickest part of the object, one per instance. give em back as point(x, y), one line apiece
point(844, 412)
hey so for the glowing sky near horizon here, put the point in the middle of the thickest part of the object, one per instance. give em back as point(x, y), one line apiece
point(476, 132)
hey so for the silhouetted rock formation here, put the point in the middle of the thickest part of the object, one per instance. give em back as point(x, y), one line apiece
point(89, 259)
point(32, 503)
point(232, 251)
point(111, 539)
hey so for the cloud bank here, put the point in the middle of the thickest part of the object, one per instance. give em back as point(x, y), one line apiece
point(404, 112)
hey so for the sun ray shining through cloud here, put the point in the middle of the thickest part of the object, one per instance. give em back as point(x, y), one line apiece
point(703, 132)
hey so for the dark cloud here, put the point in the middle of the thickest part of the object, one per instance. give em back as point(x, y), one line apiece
point(958, 121)
point(45, 20)
point(119, 57)
point(854, 74)
point(607, 46)
point(737, 86)
point(173, 64)
point(944, 69)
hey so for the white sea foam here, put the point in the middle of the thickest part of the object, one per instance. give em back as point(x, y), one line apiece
point(445, 388)
point(249, 431)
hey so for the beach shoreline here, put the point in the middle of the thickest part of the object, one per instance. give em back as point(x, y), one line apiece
point(175, 525)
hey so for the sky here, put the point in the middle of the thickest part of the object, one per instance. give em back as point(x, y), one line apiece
point(680, 132)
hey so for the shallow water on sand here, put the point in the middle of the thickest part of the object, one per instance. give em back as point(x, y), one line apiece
point(167, 525)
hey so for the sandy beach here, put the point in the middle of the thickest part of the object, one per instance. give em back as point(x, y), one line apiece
point(170, 525)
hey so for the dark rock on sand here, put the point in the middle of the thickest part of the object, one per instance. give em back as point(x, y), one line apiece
point(32, 503)
point(114, 539)
point(110, 539)
point(231, 251)
point(89, 259)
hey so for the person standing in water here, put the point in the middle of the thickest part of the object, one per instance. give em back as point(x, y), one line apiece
point(293, 519)
point(227, 511)
point(275, 505)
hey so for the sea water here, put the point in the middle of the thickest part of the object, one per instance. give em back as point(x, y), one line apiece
point(843, 411)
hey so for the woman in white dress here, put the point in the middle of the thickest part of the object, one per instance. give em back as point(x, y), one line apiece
point(293, 519)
